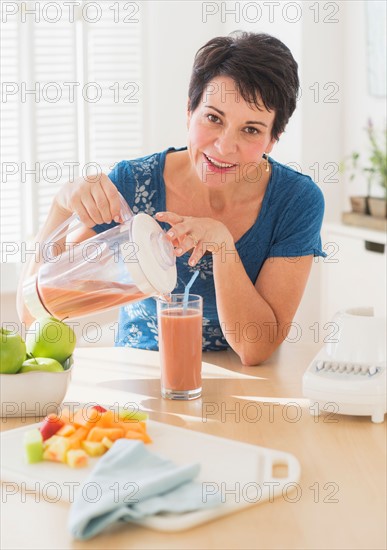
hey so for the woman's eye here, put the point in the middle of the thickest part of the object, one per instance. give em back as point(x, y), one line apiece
point(252, 131)
point(213, 118)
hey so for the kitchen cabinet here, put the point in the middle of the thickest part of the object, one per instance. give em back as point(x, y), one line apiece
point(354, 272)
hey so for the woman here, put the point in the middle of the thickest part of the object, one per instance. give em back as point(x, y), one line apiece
point(249, 224)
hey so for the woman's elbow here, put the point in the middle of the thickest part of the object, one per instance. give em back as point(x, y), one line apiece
point(249, 359)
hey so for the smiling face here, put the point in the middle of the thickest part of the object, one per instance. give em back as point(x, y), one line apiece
point(228, 136)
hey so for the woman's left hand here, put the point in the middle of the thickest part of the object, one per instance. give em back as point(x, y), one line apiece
point(201, 234)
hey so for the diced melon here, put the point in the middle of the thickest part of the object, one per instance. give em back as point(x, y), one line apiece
point(133, 426)
point(83, 433)
point(66, 415)
point(107, 442)
point(76, 458)
point(94, 448)
point(66, 430)
point(50, 441)
point(33, 446)
point(76, 438)
point(87, 417)
point(97, 434)
point(57, 450)
point(107, 420)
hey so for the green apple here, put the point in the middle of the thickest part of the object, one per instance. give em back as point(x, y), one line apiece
point(49, 337)
point(41, 364)
point(12, 352)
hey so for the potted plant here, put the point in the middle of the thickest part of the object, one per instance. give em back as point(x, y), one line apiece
point(375, 172)
point(359, 203)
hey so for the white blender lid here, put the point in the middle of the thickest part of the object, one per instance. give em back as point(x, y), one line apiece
point(153, 264)
point(32, 299)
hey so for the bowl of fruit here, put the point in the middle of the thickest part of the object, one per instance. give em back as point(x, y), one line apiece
point(35, 373)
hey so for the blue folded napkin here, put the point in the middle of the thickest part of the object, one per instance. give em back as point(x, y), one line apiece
point(130, 483)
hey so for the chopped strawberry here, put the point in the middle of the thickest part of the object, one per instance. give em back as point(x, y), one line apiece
point(99, 408)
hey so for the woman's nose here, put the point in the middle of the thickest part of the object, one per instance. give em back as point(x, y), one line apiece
point(226, 143)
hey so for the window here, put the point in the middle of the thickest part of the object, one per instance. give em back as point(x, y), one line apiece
point(70, 105)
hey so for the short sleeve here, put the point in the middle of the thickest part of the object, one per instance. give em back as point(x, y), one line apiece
point(119, 176)
point(298, 233)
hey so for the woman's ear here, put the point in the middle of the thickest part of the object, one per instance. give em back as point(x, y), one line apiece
point(188, 113)
point(271, 144)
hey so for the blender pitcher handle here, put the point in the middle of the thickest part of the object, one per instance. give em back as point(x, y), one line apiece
point(61, 231)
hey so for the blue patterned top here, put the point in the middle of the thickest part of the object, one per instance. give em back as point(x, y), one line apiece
point(288, 225)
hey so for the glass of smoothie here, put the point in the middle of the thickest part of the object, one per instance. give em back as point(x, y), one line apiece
point(180, 325)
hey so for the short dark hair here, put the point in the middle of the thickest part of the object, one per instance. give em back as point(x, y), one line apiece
point(261, 66)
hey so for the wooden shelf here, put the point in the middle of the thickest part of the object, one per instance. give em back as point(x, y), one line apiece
point(361, 220)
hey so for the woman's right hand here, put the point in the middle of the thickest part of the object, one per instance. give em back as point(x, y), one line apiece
point(94, 198)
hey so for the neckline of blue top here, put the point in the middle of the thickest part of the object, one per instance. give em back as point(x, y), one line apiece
point(245, 238)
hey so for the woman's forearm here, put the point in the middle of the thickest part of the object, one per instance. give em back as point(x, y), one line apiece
point(246, 319)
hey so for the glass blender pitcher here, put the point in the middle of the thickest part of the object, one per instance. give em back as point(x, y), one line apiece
point(126, 263)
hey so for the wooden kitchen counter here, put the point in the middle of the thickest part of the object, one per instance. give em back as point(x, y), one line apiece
point(340, 501)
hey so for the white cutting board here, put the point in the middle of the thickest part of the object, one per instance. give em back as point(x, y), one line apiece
point(241, 473)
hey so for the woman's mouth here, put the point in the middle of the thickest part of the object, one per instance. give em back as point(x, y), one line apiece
point(216, 166)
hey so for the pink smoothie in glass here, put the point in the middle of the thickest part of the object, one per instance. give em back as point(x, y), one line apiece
point(180, 337)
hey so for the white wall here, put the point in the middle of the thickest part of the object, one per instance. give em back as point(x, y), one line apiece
point(322, 85)
point(175, 31)
point(359, 104)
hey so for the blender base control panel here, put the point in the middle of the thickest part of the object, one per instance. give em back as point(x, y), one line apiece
point(354, 388)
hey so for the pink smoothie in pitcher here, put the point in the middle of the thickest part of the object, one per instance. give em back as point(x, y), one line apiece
point(87, 297)
point(180, 337)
